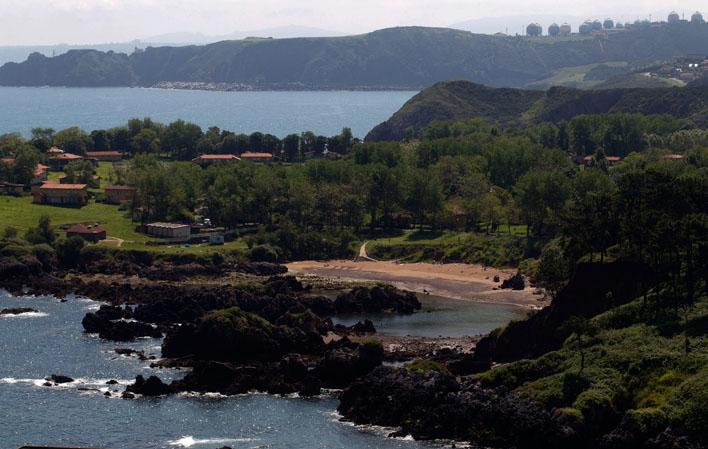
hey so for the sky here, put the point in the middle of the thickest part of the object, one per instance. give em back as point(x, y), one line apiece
point(41, 22)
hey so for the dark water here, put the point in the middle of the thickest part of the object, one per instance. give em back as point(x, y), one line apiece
point(278, 113)
point(442, 317)
point(36, 345)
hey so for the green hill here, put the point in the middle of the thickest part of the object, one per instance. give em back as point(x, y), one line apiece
point(455, 100)
point(396, 58)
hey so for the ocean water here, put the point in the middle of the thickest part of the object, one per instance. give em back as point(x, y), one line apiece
point(36, 345)
point(441, 317)
point(278, 113)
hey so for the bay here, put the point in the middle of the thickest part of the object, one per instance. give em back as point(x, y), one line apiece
point(279, 113)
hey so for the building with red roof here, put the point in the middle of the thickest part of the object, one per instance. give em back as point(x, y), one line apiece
point(208, 159)
point(61, 194)
point(119, 194)
point(90, 233)
point(256, 157)
point(59, 161)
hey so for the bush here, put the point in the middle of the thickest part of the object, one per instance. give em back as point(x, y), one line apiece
point(425, 365)
point(46, 255)
point(69, 251)
point(264, 253)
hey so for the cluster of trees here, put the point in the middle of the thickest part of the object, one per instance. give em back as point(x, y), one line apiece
point(182, 140)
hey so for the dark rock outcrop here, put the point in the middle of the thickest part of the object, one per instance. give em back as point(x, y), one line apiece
point(17, 311)
point(432, 405)
point(59, 379)
point(377, 300)
point(516, 282)
point(153, 386)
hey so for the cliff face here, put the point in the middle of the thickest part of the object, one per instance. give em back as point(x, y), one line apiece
point(400, 58)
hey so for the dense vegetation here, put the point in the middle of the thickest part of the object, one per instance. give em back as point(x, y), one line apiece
point(456, 100)
point(471, 191)
point(392, 58)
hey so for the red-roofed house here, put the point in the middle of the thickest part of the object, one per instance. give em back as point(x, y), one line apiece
point(207, 159)
point(105, 156)
point(54, 151)
point(256, 157)
point(90, 233)
point(674, 157)
point(610, 159)
point(40, 174)
point(60, 161)
point(61, 194)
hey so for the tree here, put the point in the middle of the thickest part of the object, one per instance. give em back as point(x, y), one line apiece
point(180, 140)
point(101, 141)
point(42, 138)
point(145, 141)
point(234, 143)
point(69, 251)
point(291, 147)
point(579, 327)
point(73, 140)
point(43, 233)
point(553, 269)
point(26, 160)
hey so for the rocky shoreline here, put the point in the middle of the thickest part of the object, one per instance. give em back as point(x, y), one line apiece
point(266, 331)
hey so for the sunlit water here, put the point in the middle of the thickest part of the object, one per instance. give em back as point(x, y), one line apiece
point(33, 346)
point(278, 113)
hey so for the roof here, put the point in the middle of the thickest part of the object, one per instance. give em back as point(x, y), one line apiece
point(84, 229)
point(673, 156)
point(40, 169)
point(55, 150)
point(68, 156)
point(10, 161)
point(215, 157)
point(251, 154)
point(104, 153)
point(57, 186)
point(117, 187)
point(168, 225)
point(609, 158)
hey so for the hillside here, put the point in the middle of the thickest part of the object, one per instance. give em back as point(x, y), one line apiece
point(396, 58)
point(454, 100)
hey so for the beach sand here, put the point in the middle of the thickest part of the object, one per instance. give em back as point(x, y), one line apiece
point(458, 281)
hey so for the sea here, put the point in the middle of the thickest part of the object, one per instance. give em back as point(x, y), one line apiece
point(279, 113)
point(51, 341)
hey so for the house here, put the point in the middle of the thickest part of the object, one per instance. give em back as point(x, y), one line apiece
point(587, 160)
point(59, 161)
point(105, 156)
point(176, 231)
point(256, 157)
point(119, 194)
point(41, 173)
point(53, 151)
point(90, 233)
point(674, 157)
point(61, 194)
point(208, 159)
point(10, 188)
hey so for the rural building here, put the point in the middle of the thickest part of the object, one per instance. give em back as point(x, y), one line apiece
point(256, 157)
point(177, 231)
point(53, 151)
point(90, 233)
point(105, 156)
point(610, 159)
point(208, 159)
point(61, 194)
point(10, 188)
point(59, 161)
point(41, 172)
point(119, 194)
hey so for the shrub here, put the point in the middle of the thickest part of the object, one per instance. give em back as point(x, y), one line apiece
point(46, 255)
point(425, 365)
point(264, 253)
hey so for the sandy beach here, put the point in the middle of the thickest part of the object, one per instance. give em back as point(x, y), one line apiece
point(458, 281)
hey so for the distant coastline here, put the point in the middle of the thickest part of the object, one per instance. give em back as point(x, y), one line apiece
point(273, 87)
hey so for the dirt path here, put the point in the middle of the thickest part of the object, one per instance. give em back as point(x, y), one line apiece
point(363, 256)
point(459, 281)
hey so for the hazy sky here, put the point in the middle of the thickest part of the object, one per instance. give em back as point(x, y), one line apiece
point(95, 21)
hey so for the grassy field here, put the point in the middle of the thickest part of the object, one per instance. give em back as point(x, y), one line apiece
point(21, 213)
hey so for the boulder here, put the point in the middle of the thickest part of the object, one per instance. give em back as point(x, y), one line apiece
point(153, 386)
point(60, 379)
point(377, 300)
point(17, 311)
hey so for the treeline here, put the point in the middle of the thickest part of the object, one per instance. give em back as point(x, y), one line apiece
point(178, 140)
point(616, 134)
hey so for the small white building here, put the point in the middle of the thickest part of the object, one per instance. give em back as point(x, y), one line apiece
point(177, 231)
